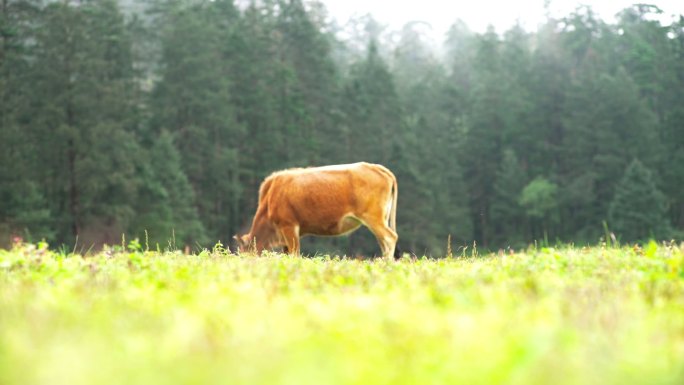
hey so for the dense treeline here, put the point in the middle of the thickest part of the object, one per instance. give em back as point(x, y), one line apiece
point(163, 117)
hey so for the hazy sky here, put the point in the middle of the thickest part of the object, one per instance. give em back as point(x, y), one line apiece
point(478, 13)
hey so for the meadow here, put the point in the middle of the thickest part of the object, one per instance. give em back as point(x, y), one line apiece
point(567, 315)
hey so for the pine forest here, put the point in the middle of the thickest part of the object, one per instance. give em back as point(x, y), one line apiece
point(158, 120)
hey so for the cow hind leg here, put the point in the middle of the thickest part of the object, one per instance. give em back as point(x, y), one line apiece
point(291, 236)
point(387, 238)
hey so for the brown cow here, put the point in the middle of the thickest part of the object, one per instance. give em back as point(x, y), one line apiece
point(324, 201)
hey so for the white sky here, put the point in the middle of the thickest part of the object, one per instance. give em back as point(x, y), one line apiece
point(477, 14)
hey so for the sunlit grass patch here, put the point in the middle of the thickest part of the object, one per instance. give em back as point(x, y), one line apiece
point(561, 316)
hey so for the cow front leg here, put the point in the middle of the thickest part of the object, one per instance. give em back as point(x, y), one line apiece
point(291, 236)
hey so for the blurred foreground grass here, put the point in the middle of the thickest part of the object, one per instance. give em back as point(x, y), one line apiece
point(546, 316)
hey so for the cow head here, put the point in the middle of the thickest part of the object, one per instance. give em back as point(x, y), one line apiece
point(245, 242)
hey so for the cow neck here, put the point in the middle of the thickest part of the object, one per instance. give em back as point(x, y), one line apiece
point(261, 229)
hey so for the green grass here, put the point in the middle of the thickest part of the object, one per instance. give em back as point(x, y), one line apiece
point(546, 316)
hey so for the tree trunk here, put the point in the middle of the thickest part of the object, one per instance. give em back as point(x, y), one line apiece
point(74, 206)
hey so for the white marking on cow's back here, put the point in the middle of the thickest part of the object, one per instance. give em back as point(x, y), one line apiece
point(334, 167)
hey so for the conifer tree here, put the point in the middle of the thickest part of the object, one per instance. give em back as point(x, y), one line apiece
point(305, 82)
point(166, 203)
point(84, 116)
point(653, 55)
point(23, 208)
point(487, 123)
point(607, 124)
point(507, 214)
point(193, 101)
point(371, 110)
point(639, 209)
point(430, 140)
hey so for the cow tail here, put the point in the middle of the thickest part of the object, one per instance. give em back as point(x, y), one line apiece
point(395, 192)
point(393, 213)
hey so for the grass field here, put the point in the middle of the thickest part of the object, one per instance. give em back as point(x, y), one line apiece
point(543, 316)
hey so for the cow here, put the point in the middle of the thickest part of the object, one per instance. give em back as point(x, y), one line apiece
point(324, 201)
